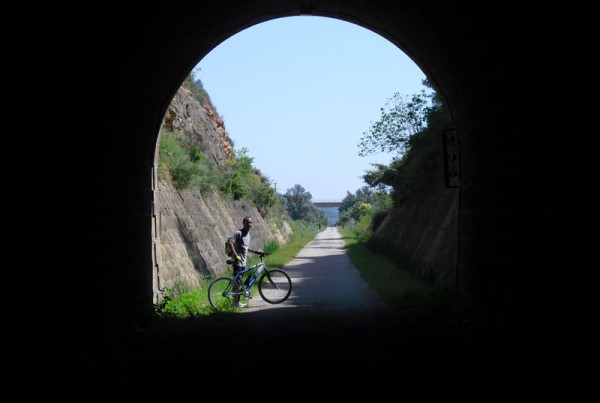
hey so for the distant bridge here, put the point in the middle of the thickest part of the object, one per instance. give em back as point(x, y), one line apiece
point(328, 203)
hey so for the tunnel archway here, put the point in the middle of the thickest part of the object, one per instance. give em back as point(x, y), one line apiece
point(475, 76)
point(527, 218)
point(198, 57)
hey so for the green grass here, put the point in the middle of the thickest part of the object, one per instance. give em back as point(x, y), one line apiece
point(397, 286)
point(180, 302)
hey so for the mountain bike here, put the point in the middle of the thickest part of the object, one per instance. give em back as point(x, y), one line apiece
point(274, 285)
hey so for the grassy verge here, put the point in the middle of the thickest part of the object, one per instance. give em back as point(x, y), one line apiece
point(397, 286)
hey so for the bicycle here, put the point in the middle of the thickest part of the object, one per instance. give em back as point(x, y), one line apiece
point(274, 285)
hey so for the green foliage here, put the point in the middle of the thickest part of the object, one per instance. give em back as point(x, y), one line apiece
point(264, 197)
point(185, 165)
point(278, 213)
point(398, 287)
point(303, 227)
point(234, 186)
point(300, 206)
point(188, 304)
point(406, 175)
point(419, 149)
point(271, 246)
point(401, 118)
point(195, 154)
point(244, 163)
point(182, 302)
point(298, 202)
point(353, 208)
point(411, 127)
point(242, 181)
point(363, 226)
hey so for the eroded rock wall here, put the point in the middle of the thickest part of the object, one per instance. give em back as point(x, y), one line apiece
point(191, 226)
point(422, 228)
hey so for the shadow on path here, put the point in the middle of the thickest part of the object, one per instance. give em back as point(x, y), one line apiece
point(332, 339)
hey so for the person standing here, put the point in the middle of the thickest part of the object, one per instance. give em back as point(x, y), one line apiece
point(239, 243)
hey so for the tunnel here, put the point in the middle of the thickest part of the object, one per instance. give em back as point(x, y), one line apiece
point(87, 85)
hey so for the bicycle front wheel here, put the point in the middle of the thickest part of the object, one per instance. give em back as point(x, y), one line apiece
point(275, 286)
point(221, 293)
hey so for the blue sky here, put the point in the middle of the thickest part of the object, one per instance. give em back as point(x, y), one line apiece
point(299, 92)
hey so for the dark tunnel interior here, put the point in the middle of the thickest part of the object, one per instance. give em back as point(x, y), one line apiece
point(87, 87)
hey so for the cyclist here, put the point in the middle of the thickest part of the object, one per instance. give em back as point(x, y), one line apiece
point(239, 244)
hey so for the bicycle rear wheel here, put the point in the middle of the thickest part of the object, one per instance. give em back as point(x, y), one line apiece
point(221, 293)
point(274, 286)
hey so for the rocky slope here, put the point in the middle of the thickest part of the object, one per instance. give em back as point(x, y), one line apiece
point(191, 226)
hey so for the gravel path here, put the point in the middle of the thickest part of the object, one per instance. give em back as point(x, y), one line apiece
point(323, 276)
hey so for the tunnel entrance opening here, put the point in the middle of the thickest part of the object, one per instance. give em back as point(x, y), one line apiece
point(527, 175)
point(182, 117)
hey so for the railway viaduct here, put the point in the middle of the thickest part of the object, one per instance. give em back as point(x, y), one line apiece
point(327, 203)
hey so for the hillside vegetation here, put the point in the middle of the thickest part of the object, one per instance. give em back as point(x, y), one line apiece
point(403, 212)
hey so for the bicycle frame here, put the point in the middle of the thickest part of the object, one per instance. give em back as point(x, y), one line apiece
point(238, 278)
point(259, 268)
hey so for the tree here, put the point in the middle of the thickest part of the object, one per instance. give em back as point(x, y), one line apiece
point(401, 118)
point(300, 207)
point(372, 194)
point(263, 197)
point(298, 202)
point(365, 202)
point(423, 153)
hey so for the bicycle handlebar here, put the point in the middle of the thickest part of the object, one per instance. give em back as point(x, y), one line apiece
point(262, 254)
